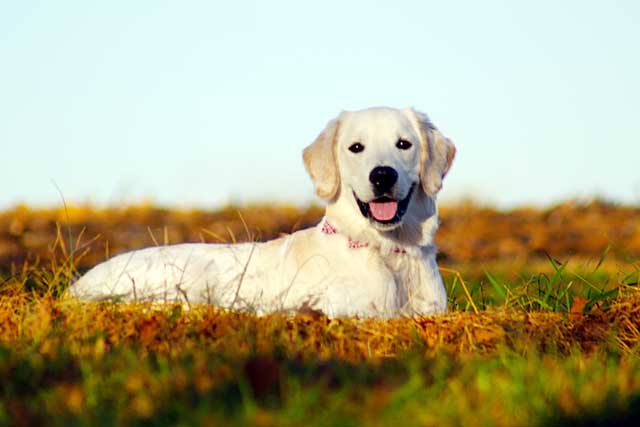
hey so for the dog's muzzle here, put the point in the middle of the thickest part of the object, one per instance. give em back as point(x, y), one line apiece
point(385, 210)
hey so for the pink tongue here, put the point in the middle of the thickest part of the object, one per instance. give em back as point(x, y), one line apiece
point(383, 211)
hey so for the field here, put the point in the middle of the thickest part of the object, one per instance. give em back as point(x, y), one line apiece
point(543, 328)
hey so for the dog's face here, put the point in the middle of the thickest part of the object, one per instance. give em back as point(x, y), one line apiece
point(378, 156)
point(379, 159)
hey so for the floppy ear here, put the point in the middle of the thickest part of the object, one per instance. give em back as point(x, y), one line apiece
point(321, 163)
point(437, 153)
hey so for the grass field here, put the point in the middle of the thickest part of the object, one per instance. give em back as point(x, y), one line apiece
point(543, 329)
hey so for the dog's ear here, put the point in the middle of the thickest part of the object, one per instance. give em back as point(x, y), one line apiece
point(321, 163)
point(437, 152)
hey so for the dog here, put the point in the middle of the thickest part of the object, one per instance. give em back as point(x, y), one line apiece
point(372, 254)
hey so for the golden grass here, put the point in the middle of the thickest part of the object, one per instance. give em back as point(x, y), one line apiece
point(173, 329)
point(529, 339)
point(468, 233)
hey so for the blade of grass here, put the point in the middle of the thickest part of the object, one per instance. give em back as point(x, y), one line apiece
point(464, 287)
point(496, 286)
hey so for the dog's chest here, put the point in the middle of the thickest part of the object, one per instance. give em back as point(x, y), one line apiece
point(405, 270)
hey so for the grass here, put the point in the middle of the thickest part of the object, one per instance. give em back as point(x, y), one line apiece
point(553, 286)
point(66, 363)
point(541, 341)
point(210, 387)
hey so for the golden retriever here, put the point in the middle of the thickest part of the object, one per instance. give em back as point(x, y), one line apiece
point(372, 255)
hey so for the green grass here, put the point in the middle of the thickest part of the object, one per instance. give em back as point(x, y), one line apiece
point(541, 343)
point(553, 287)
point(205, 387)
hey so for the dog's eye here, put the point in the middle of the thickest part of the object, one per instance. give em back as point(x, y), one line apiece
point(403, 144)
point(356, 147)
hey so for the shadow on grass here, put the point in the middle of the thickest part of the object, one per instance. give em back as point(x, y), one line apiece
point(614, 413)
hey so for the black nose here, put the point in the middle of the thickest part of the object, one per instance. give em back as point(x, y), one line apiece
point(383, 178)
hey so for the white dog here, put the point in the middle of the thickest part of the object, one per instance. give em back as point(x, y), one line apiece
point(372, 254)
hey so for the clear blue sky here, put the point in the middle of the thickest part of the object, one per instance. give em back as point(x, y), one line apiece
point(201, 103)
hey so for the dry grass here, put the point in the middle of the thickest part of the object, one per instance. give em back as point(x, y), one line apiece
point(468, 233)
point(530, 339)
point(171, 329)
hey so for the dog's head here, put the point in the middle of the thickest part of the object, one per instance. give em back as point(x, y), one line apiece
point(379, 159)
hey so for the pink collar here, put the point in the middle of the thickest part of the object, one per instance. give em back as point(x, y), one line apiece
point(327, 228)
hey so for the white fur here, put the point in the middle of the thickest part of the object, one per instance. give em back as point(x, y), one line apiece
point(395, 274)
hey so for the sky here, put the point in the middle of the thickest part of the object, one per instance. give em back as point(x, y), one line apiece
point(203, 103)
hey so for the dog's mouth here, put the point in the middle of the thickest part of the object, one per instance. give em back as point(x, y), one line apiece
point(385, 210)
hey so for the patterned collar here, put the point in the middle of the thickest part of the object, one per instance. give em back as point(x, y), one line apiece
point(327, 228)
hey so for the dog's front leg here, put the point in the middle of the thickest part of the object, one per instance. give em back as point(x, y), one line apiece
point(425, 289)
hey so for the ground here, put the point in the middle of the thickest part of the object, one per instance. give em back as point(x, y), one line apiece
point(543, 328)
